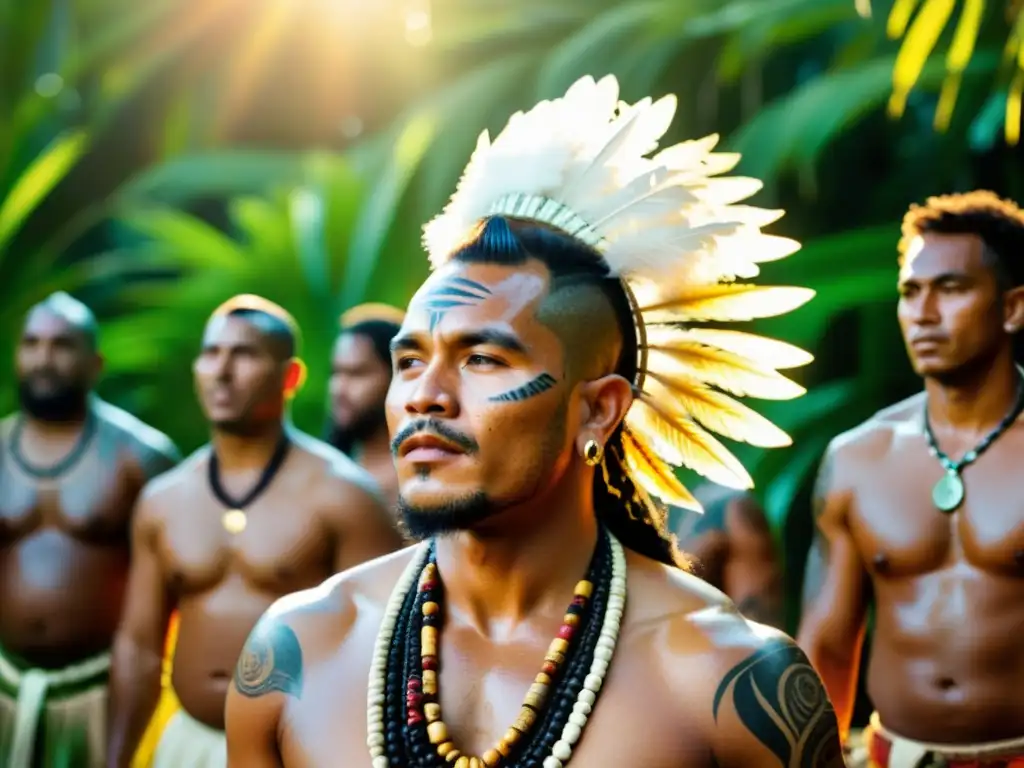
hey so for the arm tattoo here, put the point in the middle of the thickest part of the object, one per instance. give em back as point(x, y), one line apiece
point(780, 699)
point(542, 383)
point(270, 661)
point(455, 292)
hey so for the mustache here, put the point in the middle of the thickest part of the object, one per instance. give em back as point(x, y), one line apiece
point(435, 427)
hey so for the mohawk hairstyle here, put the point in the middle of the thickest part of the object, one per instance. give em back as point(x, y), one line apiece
point(630, 514)
point(271, 319)
point(998, 222)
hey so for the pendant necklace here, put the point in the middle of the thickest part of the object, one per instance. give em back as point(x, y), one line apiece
point(948, 493)
point(234, 519)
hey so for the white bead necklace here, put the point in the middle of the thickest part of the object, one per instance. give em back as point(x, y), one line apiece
point(573, 730)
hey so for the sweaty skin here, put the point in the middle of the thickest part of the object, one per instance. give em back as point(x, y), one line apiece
point(691, 684)
point(315, 519)
point(946, 664)
point(319, 515)
point(946, 587)
point(734, 551)
point(64, 542)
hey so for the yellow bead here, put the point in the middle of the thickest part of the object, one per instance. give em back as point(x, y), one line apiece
point(584, 588)
point(433, 711)
point(475, 762)
point(558, 645)
point(429, 682)
point(437, 732)
point(444, 749)
point(462, 762)
point(542, 679)
point(430, 608)
point(491, 758)
point(452, 756)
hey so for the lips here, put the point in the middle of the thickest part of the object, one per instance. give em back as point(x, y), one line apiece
point(423, 448)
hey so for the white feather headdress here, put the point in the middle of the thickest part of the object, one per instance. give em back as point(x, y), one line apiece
point(676, 238)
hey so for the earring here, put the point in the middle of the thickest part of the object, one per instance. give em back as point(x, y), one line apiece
point(1011, 328)
point(592, 453)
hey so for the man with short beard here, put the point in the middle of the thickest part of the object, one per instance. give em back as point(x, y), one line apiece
point(539, 397)
point(262, 511)
point(360, 376)
point(71, 467)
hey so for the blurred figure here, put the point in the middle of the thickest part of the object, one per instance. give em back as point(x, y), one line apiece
point(263, 511)
point(919, 509)
point(360, 376)
point(733, 547)
point(71, 467)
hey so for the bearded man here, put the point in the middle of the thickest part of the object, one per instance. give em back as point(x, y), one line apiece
point(534, 405)
point(71, 467)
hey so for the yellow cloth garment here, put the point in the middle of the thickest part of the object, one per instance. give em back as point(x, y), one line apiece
point(166, 708)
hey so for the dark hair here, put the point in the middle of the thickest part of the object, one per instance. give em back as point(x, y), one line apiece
point(635, 519)
point(998, 222)
point(272, 320)
point(379, 332)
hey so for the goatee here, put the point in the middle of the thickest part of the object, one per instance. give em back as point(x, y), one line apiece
point(451, 517)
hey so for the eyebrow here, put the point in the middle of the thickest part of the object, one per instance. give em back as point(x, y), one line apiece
point(484, 337)
point(944, 277)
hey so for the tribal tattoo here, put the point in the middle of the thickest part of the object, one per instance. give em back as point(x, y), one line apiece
point(541, 383)
point(453, 292)
point(270, 661)
point(780, 699)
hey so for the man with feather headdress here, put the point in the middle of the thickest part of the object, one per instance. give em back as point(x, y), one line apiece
point(537, 405)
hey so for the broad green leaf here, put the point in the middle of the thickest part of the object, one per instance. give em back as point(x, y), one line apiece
point(194, 242)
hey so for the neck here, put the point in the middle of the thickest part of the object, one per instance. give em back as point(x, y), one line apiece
point(974, 402)
point(244, 451)
point(529, 566)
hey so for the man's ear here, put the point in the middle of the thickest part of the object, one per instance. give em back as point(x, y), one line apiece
point(604, 402)
point(1013, 310)
point(294, 377)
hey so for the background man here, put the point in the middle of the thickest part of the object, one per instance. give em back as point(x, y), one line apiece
point(360, 376)
point(733, 550)
point(263, 511)
point(71, 467)
point(919, 509)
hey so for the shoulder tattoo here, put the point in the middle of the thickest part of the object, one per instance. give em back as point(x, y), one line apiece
point(270, 661)
point(780, 699)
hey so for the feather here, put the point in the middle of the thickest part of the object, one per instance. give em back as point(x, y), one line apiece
point(689, 398)
point(727, 301)
point(765, 352)
point(653, 475)
point(722, 369)
point(682, 442)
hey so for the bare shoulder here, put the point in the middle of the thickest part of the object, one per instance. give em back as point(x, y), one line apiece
point(749, 686)
point(338, 471)
point(317, 621)
point(152, 450)
point(165, 493)
point(871, 442)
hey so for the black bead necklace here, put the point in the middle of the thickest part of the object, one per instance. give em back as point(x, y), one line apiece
point(70, 459)
point(234, 520)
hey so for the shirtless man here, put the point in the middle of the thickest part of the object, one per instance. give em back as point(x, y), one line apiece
point(734, 551)
point(264, 511)
point(919, 509)
point(514, 369)
point(360, 375)
point(71, 467)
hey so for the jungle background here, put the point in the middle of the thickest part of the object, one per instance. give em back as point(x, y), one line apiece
point(159, 157)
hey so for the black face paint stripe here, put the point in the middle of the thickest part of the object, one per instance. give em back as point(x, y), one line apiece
point(536, 386)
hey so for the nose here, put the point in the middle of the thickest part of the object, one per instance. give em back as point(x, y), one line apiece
point(924, 309)
point(431, 396)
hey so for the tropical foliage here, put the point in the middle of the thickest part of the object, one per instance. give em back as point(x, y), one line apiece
point(157, 160)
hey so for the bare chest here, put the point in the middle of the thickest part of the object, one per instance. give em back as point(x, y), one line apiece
point(482, 687)
point(92, 501)
point(282, 547)
point(900, 531)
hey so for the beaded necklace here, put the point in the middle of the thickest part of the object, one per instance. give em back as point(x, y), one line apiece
point(404, 722)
